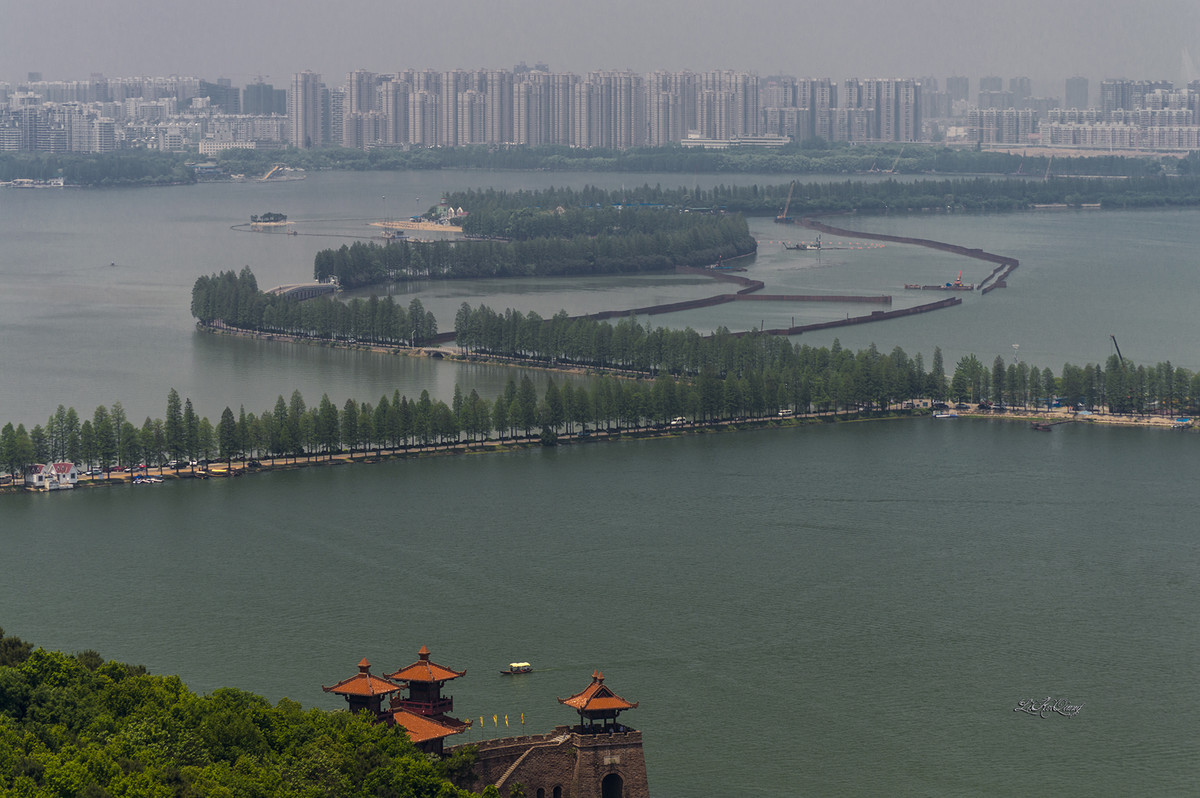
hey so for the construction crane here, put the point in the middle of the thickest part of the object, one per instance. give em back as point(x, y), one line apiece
point(783, 218)
point(1114, 340)
point(895, 163)
point(1046, 176)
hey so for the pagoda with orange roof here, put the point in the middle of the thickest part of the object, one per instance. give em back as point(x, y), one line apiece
point(424, 680)
point(364, 691)
point(598, 706)
point(423, 712)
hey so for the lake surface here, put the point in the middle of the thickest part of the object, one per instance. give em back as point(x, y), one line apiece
point(850, 609)
point(97, 289)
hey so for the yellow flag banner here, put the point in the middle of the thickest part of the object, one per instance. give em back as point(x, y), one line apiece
point(522, 718)
point(481, 721)
point(506, 721)
point(495, 721)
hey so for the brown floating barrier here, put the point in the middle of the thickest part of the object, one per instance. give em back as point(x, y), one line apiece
point(875, 315)
point(1005, 267)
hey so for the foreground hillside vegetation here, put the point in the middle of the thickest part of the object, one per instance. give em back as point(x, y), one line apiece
point(76, 725)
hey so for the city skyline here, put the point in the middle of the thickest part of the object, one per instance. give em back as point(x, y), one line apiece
point(1049, 41)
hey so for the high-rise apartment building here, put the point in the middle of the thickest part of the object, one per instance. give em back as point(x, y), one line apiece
point(394, 96)
point(304, 110)
point(361, 92)
point(1128, 95)
point(1076, 95)
point(263, 99)
point(959, 88)
point(1021, 88)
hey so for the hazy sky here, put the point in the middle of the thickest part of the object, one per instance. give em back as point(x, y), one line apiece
point(1047, 40)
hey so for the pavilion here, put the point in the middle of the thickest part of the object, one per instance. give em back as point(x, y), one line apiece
point(598, 707)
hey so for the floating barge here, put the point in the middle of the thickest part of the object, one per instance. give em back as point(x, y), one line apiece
point(957, 285)
point(946, 287)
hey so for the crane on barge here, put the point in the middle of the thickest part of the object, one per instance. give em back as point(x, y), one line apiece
point(783, 218)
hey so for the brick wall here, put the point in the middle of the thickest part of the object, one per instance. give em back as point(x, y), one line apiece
point(576, 764)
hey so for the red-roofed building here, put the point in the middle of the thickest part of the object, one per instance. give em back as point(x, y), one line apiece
point(364, 691)
point(426, 733)
point(424, 680)
point(423, 712)
point(424, 718)
point(35, 476)
point(52, 476)
point(598, 706)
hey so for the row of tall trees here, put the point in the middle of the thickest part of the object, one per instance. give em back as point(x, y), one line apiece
point(109, 439)
point(234, 300)
point(753, 377)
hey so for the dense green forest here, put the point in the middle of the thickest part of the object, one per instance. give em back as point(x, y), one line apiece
point(124, 168)
point(77, 725)
point(538, 240)
point(808, 157)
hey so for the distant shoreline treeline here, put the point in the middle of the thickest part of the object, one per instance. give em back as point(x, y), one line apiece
point(976, 194)
point(123, 168)
point(152, 167)
point(798, 158)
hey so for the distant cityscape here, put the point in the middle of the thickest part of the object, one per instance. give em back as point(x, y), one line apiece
point(605, 109)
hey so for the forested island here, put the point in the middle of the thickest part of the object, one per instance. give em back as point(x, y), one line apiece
point(76, 724)
point(651, 228)
point(555, 232)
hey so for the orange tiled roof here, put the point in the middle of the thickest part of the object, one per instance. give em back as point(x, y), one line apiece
point(425, 671)
point(363, 683)
point(597, 697)
point(422, 729)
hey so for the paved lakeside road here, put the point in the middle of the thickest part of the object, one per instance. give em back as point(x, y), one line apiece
point(237, 468)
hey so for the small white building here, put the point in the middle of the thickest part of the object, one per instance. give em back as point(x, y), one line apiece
point(35, 476)
point(52, 476)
